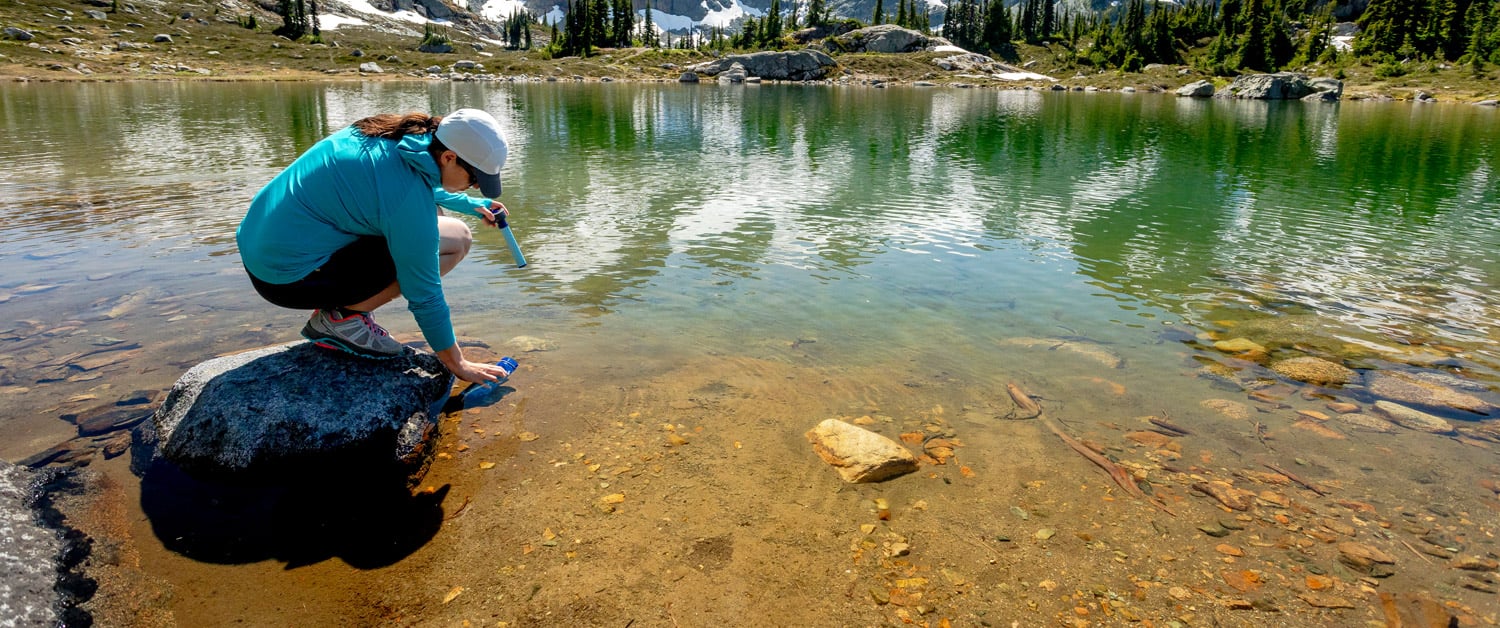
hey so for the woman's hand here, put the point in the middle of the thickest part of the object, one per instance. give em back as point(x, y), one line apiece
point(473, 372)
point(494, 211)
point(479, 372)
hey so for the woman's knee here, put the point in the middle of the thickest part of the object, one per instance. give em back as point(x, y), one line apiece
point(456, 238)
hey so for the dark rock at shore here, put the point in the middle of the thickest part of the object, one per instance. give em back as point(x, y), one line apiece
point(293, 411)
point(887, 38)
point(790, 65)
point(28, 554)
point(1282, 86)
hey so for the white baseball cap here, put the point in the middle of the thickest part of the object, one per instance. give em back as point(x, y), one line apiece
point(476, 137)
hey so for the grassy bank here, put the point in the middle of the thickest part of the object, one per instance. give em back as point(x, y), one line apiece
point(220, 41)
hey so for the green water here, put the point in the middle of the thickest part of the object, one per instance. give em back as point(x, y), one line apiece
point(948, 240)
point(911, 227)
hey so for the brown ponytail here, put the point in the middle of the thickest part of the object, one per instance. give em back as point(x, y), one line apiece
point(394, 126)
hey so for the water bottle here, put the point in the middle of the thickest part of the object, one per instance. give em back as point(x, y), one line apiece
point(486, 393)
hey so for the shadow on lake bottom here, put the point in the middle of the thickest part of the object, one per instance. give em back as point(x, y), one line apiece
point(367, 524)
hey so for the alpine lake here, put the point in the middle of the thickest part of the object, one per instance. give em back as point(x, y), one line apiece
point(714, 270)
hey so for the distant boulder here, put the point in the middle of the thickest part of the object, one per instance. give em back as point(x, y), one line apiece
point(831, 29)
point(688, 77)
point(370, 68)
point(887, 38)
point(1199, 89)
point(18, 34)
point(790, 65)
point(435, 48)
point(966, 62)
point(1280, 86)
point(735, 74)
point(162, 38)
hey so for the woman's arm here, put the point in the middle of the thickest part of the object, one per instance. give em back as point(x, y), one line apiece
point(461, 203)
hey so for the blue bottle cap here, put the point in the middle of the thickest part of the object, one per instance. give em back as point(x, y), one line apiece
point(508, 363)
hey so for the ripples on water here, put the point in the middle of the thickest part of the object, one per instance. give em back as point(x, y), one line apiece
point(985, 213)
point(906, 251)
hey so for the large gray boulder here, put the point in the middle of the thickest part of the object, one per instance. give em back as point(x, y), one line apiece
point(28, 554)
point(297, 411)
point(790, 65)
point(1280, 86)
point(1197, 89)
point(967, 62)
point(887, 38)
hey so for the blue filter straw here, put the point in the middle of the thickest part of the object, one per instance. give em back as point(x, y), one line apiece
point(510, 239)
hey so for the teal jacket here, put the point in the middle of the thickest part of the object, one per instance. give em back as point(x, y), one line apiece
point(346, 186)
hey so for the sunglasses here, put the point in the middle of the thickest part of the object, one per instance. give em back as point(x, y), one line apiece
point(472, 172)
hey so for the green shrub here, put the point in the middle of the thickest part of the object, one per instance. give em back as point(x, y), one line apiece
point(1390, 69)
point(247, 22)
point(432, 36)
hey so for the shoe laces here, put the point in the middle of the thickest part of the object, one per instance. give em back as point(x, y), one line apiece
point(370, 323)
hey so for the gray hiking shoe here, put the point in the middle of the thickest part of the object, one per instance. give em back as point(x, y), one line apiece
point(357, 334)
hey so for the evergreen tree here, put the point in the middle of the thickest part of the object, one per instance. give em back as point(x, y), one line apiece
point(879, 17)
point(1388, 26)
point(1049, 19)
point(961, 24)
point(648, 29)
point(997, 33)
point(1452, 27)
point(1029, 19)
point(624, 23)
point(578, 30)
point(1484, 33)
point(1229, 19)
point(1318, 37)
point(771, 33)
point(1133, 27)
point(1158, 45)
point(1254, 44)
point(817, 14)
point(749, 34)
point(901, 13)
point(293, 18)
point(598, 26)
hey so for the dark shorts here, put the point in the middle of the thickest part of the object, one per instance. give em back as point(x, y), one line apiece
point(354, 273)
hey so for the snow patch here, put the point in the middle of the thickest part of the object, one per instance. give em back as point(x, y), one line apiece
point(727, 15)
point(498, 10)
point(329, 21)
point(1023, 76)
point(364, 6)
